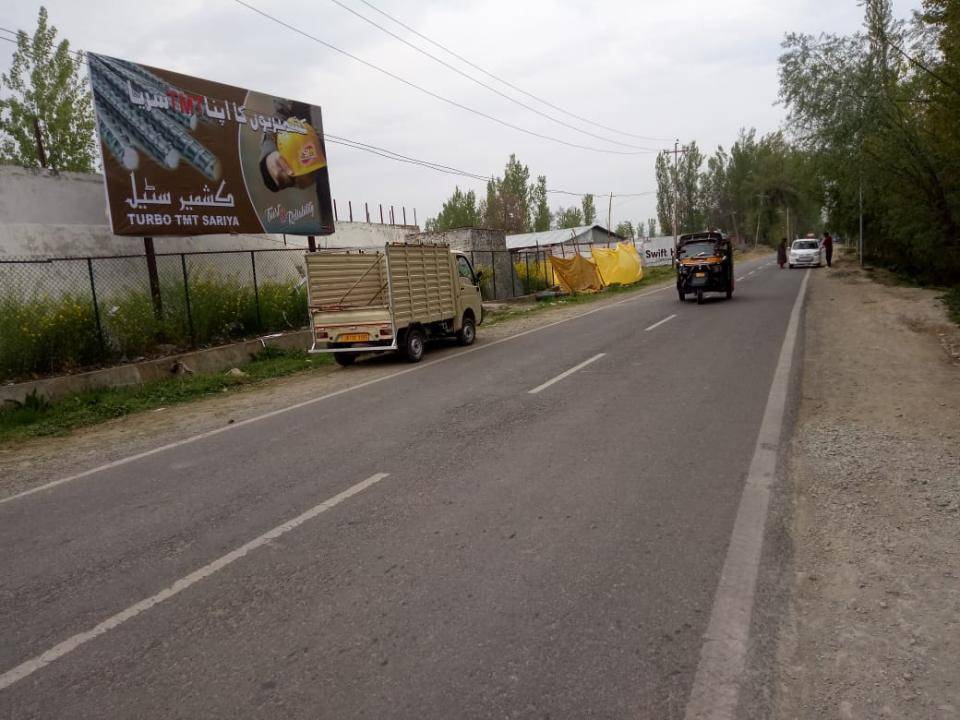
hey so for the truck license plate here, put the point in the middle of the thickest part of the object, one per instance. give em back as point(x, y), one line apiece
point(354, 337)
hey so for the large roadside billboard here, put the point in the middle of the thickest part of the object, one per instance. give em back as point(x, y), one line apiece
point(185, 156)
point(657, 250)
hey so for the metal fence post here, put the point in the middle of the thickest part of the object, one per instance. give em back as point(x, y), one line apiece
point(513, 275)
point(350, 208)
point(381, 213)
point(96, 308)
point(154, 278)
point(366, 209)
point(493, 270)
point(186, 295)
point(256, 290)
point(526, 259)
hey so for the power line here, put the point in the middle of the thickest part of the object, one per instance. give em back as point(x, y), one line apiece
point(399, 157)
point(483, 84)
point(505, 82)
point(432, 94)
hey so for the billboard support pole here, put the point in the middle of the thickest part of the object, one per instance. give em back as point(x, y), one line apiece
point(154, 277)
point(311, 243)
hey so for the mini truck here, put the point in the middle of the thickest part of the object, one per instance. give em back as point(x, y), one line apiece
point(393, 299)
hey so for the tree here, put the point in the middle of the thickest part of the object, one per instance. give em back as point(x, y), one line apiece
point(459, 211)
point(44, 89)
point(540, 210)
point(507, 206)
point(625, 229)
point(641, 230)
point(570, 217)
point(652, 227)
point(589, 210)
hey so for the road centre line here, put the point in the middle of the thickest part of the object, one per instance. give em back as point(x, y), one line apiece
point(321, 398)
point(740, 278)
point(565, 373)
point(29, 667)
point(658, 324)
point(720, 672)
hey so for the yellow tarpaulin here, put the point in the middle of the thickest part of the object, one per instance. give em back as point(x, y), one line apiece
point(618, 266)
point(576, 274)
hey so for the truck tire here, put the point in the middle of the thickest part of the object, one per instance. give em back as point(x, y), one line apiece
point(468, 333)
point(345, 359)
point(413, 345)
point(682, 295)
point(699, 297)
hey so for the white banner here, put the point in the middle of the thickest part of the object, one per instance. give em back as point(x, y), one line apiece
point(656, 251)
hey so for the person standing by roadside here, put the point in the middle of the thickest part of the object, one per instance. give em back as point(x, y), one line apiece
point(782, 253)
point(828, 247)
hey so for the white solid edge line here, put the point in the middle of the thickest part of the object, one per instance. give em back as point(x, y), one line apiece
point(565, 373)
point(658, 324)
point(69, 645)
point(321, 398)
point(716, 686)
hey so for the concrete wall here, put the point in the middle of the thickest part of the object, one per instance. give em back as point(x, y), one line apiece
point(488, 252)
point(51, 214)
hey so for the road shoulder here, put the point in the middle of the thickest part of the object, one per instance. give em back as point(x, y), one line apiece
point(874, 475)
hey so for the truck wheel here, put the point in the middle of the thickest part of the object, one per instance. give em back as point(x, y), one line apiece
point(683, 297)
point(729, 293)
point(413, 342)
point(699, 297)
point(468, 333)
point(345, 359)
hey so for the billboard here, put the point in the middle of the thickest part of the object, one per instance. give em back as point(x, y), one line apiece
point(185, 156)
point(657, 251)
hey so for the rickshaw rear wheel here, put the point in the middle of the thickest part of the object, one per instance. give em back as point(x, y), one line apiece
point(699, 297)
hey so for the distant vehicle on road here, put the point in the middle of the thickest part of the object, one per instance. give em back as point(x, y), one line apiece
point(806, 252)
point(391, 300)
point(704, 264)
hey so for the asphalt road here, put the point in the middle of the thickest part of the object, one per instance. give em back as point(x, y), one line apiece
point(547, 555)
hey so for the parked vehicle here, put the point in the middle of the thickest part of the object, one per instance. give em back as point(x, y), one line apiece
point(806, 252)
point(393, 299)
point(704, 264)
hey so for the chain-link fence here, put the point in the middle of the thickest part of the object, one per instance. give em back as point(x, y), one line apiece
point(65, 314)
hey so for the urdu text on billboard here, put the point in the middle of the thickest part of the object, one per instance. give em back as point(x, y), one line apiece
point(185, 156)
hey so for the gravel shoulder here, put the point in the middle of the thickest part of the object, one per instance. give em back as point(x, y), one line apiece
point(25, 464)
point(873, 626)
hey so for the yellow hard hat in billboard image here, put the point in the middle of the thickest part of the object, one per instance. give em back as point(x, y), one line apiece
point(301, 151)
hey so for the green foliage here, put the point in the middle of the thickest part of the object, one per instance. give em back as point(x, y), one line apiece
point(45, 84)
point(534, 274)
point(31, 419)
point(652, 227)
point(589, 209)
point(507, 206)
point(460, 211)
point(570, 217)
point(625, 229)
point(641, 230)
point(42, 335)
point(880, 107)
point(542, 217)
point(952, 300)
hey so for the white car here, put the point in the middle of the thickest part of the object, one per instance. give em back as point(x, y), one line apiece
point(806, 252)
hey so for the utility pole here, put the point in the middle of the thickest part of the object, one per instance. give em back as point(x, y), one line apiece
point(609, 214)
point(676, 191)
point(861, 219)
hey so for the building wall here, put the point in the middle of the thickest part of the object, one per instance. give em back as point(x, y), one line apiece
point(51, 214)
point(488, 252)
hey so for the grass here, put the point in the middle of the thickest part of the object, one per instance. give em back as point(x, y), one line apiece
point(44, 335)
point(38, 417)
point(650, 276)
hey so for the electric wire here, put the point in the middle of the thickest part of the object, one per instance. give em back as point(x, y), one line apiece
point(433, 94)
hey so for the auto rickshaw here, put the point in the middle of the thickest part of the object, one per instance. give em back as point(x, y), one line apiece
point(704, 264)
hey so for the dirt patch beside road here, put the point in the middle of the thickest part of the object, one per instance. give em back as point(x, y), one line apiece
point(873, 629)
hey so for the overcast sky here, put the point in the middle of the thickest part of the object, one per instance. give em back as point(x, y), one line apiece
point(683, 69)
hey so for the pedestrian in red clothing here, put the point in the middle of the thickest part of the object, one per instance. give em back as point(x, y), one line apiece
point(828, 246)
